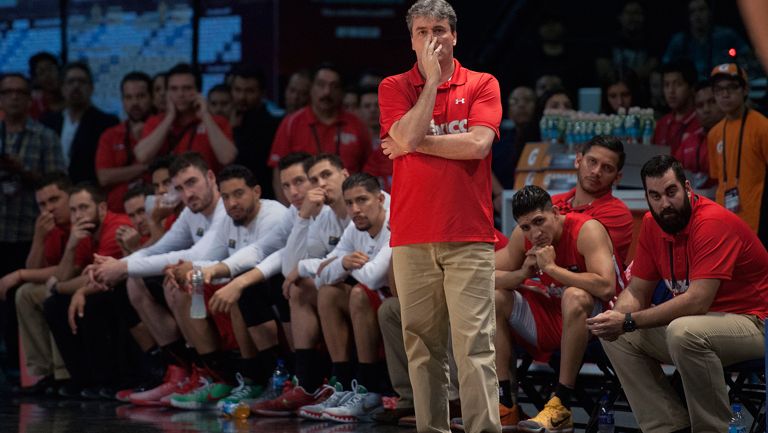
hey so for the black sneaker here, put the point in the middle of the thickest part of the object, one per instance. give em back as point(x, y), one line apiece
point(38, 388)
point(70, 390)
point(91, 393)
point(392, 416)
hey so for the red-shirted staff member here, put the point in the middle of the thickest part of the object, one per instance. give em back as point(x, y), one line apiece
point(116, 166)
point(714, 265)
point(187, 125)
point(438, 122)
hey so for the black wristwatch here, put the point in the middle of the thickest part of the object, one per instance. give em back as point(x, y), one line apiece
point(629, 323)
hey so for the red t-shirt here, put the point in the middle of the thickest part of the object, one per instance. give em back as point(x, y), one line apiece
point(379, 165)
point(116, 150)
point(301, 131)
point(501, 240)
point(106, 244)
point(612, 213)
point(436, 199)
point(693, 153)
point(671, 132)
point(190, 137)
point(704, 249)
point(54, 242)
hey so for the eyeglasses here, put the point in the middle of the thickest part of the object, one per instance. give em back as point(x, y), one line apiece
point(728, 88)
point(11, 92)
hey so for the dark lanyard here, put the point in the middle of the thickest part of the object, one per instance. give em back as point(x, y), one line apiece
point(725, 149)
point(175, 139)
point(675, 286)
point(15, 147)
point(127, 143)
point(317, 138)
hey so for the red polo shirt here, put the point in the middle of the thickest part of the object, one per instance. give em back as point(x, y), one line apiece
point(436, 199)
point(116, 150)
point(54, 242)
point(671, 132)
point(705, 250)
point(190, 137)
point(301, 131)
point(379, 165)
point(106, 244)
point(612, 213)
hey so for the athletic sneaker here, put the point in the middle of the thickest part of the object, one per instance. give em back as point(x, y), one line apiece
point(175, 379)
point(293, 398)
point(554, 418)
point(315, 411)
point(246, 392)
point(359, 407)
point(510, 417)
point(203, 397)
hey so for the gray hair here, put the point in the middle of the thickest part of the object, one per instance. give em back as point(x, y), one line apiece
point(437, 9)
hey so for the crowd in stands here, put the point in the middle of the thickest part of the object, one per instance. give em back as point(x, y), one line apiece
point(106, 220)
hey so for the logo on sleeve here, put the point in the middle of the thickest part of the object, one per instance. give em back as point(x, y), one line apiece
point(199, 232)
point(333, 240)
point(232, 243)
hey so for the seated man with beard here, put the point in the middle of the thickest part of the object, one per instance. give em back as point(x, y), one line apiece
point(714, 265)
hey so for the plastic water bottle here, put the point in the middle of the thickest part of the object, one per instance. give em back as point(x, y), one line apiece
point(197, 310)
point(605, 422)
point(239, 410)
point(280, 375)
point(736, 424)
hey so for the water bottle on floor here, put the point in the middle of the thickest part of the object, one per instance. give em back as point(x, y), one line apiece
point(736, 424)
point(605, 421)
point(280, 375)
point(197, 309)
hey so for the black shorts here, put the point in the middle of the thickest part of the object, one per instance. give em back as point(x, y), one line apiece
point(263, 302)
point(155, 287)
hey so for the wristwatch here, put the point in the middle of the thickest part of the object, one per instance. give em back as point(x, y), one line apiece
point(629, 323)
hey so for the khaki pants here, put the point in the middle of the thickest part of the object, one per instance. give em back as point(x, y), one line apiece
point(391, 325)
point(42, 355)
point(448, 287)
point(699, 347)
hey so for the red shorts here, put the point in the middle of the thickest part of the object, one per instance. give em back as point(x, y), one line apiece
point(223, 321)
point(376, 297)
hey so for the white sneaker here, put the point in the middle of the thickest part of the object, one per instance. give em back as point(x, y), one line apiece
point(358, 407)
point(315, 411)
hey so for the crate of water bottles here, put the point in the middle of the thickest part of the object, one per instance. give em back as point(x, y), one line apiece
point(569, 127)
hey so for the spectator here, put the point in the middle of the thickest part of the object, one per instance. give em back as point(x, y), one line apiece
point(679, 79)
point(80, 124)
point(137, 235)
point(656, 93)
point(521, 110)
point(622, 91)
point(254, 127)
point(297, 91)
point(187, 125)
point(546, 83)
point(159, 98)
point(27, 151)
point(555, 99)
point(378, 164)
point(706, 44)
point(715, 318)
point(116, 165)
point(351, 100)
point(323, 126)
point(692, 152)
point(631, 48)
point(220, 101)
point(46, 84)
point(738, 149)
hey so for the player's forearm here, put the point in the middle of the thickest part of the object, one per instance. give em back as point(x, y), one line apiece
point(412, 128)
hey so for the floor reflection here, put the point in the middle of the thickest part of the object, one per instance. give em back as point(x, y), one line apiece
point(59, 416)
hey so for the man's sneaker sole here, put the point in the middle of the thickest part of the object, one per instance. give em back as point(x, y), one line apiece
point(148, 403)
point(192, 405)
point(274, 413)
point(310, 414)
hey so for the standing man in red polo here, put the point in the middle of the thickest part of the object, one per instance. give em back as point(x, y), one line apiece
point(116, 166)
point(678, 81)
point(186, 125)
point(438, 122)
point(323, 126)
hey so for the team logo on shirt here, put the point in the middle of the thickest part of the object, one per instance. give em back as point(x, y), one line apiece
point(232, 243)
point(200, 231)
point(719, 146)
point(333, 240)
point(459, 101)
point(119, 146)
point(452, 127)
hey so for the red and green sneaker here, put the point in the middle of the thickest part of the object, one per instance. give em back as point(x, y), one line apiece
point(203, 397)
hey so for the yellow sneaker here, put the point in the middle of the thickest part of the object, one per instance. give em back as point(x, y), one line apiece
point(554, 418)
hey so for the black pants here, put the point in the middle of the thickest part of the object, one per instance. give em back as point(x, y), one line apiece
point(102, 353)
point(263, 302)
